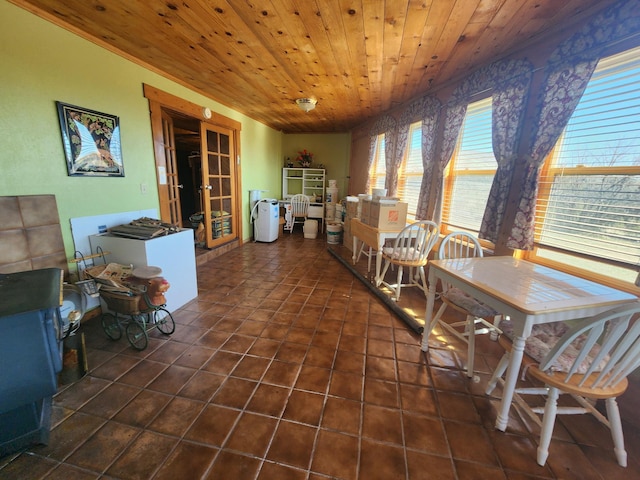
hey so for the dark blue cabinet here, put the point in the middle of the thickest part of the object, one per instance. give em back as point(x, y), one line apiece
point(30, 355)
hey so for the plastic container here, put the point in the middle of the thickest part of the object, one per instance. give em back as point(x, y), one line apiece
point(334, 233)
point(330, 211)
point(333, 183)
point(362, 197)
point(310, 229)
point(332, 195)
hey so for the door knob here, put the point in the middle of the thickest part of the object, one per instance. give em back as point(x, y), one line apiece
point(208, 187)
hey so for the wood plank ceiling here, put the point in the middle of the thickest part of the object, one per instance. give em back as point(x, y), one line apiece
point(358, 58)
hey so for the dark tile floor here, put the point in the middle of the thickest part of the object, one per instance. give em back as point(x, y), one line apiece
point(287, 367)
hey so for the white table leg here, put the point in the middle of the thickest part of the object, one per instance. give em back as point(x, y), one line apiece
point(510, 381)
point(378, 266)
point(428, 314)
point(354, 258)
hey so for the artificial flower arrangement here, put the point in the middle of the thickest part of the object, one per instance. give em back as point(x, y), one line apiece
point(304, 158)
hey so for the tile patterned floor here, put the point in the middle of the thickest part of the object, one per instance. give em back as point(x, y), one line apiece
point(287, 367)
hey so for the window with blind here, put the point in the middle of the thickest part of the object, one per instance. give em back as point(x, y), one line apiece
point(410, 178)
point(588, 210)
point(470, 172)
point(410, 173)
point(378, 169)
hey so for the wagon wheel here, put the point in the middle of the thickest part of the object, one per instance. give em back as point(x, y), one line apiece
point(111, 326)
point(164, 321)
point(137, 335)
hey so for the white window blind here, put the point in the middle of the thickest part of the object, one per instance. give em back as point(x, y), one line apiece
point(378, 169)
point(470, 172)
point(410, 178)
point(589, 197)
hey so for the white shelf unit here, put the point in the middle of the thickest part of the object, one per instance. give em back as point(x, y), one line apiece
point(310, 182)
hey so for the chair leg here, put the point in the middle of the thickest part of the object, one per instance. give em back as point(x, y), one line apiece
point(399, 280)
point(383, 273)
point(360, 252)
point(497, 373)
point(413, 276)
point(615, 425)
point(423, 279)
point(495, 333)
point(471, 348)
point(436, 317)
point(548, 421)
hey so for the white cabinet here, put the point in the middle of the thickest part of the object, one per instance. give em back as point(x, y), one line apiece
point(309, 181)
point(174, 254)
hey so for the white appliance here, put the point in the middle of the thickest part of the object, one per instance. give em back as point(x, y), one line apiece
point(267, 221)
point(174, 254)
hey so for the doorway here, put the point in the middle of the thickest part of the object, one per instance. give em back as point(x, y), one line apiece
point(197, 169)
point(186, 132)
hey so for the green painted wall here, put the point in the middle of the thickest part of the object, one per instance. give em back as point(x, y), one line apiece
point(330, 149)
point(42, 63)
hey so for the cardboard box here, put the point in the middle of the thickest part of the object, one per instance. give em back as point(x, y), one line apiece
point(365, 211)
point(346, 225)
point(347, 239)
point(352, 207)
point(388, 215)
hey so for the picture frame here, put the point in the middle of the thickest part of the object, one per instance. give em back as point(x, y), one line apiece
point(91, 142)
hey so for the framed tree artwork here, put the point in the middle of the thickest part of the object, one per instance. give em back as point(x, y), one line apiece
point(91, 142)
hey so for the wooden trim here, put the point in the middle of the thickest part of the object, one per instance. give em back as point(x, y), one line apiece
point(582, 273)
point(155, 111)
point(238, 186)
point(54, 19)
point(158, 100)
point(184, 106)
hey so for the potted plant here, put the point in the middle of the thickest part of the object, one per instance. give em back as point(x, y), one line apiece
point(305, 158)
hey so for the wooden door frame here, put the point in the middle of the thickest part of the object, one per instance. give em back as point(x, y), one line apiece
point(171, 170)
point(158, 100)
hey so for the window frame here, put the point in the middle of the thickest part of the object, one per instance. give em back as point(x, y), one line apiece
point(535, 255)
point(403, 174)
point(449, 178)
point(375, 174)
point(548, 172)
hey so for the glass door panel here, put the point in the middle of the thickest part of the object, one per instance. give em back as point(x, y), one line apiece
point(218, 174)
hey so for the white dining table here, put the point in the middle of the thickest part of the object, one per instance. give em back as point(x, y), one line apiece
point(528, 293)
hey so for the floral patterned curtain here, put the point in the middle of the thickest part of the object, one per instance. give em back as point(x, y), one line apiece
point(390, 160)
point(453, 118)
point(455, 112)
point(412, 113)
point(508, 105)
point(430, 119)
point(509, 80)
point(386, 125)
point(567, 74)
